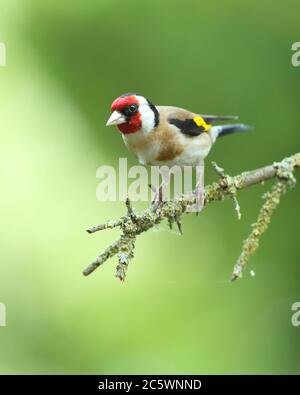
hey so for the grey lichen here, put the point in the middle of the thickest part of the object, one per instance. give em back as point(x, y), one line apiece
point(125, 254)
point(133, 224)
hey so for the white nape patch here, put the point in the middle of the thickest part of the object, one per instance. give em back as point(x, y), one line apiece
point(147, 115)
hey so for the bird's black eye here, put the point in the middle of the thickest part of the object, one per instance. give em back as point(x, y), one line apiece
point(130, 110)
point(133, 108)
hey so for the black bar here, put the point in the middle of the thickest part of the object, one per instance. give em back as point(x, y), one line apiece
point(153, 383)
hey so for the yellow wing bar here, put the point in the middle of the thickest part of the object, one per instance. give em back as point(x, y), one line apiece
point(199, 121)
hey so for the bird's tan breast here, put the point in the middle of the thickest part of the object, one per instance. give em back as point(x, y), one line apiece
point(170, 145)
point(163, 144)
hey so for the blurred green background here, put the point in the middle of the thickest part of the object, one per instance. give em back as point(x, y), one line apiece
point(177, 312)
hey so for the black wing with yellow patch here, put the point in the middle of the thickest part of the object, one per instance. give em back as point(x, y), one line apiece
point(191, 127)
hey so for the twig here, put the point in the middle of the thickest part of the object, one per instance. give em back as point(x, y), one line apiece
point(226, 182)
point(133, 225)
point(108, 253)
point(106, 225)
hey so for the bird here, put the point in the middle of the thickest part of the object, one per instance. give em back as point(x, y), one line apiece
point(167, 135)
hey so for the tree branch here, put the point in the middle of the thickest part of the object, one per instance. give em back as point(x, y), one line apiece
point(133, 224)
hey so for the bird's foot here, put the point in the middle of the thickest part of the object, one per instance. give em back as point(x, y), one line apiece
point(198, 196)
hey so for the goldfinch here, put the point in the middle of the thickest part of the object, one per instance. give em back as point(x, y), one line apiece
point(165, 135)
point(168, 136)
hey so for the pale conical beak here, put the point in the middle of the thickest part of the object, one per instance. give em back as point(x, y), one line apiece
point(115, 119)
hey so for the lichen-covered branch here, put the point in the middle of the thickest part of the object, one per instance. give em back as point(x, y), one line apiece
point(133, 224)
point(272, 199)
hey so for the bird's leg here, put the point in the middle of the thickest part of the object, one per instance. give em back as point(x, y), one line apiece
point(199, 191)
point(199, 195)
point(160, 193)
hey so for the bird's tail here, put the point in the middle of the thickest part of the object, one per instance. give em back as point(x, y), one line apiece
point(224, 130)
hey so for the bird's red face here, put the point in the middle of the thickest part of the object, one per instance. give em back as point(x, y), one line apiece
point(126, 114)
